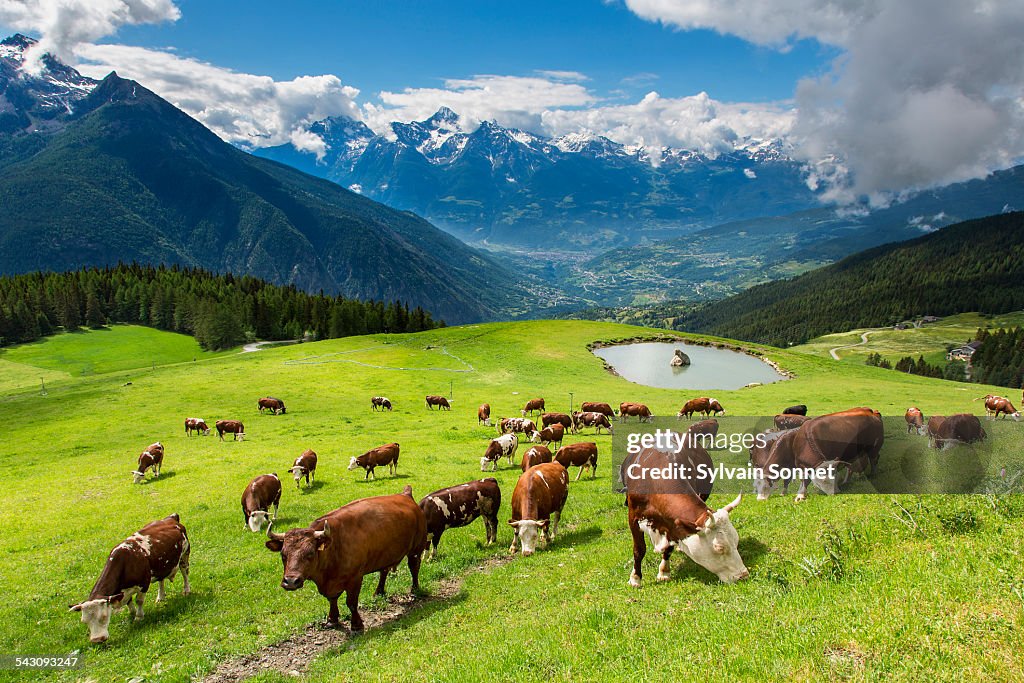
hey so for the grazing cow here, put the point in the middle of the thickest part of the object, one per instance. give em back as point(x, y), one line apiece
point(997, 405)
point(259, 495)
point(532, 405)
point(440, 401)
point(337, 550)
point(151, 457)
point(483, 414)
point(197, 425)
point(230, 427)
point(503, 447)
point(789, 421)
point(595, 407)
point(274, 405)
point(962, 428)
point(381, 403)
point(704, 432)
point(535, 455)
point(379, 456)
point(537, 503)
point(549, 435)
point(637, 410)
point(548, 419)
point(582, 455)
point(304, 466)
point(703, 405)
point(156, 551)
point(598, 420)
point(915, 420)
point(458, 506)
point(517, 425)
point(796, 410)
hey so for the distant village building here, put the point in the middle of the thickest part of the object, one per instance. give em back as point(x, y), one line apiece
point(930, 319)
point(964, 352)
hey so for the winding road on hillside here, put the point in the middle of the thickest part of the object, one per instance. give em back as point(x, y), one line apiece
point(863, 341)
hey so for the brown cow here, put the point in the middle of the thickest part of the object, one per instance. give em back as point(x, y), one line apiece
point(483, 414)
point(789, 421)
point(503, 447)
point(637, 410)
point(259, 495)
point(337, 550)
point(997, 405)
point(598, 420)
point(381, 455)
point(915, 420)
point(549, 435)
point(440, 401)
point(535, 455)
point(595, 407)
point(197, 425)
point(703, 405)
point(962, 428)
point(274, 405)
point(230, 427)
point(691, 460)
point(380, 403)
point(796, 410)
point(537, 503)
point(704, 432)
point(156, 551)
point(153, 457)
point(458, 506)
point(304, 466)
point(548, 419)
point(582, 455)
point(532, 405)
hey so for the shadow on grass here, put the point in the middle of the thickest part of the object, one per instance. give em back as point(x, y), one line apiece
point(578, 536)
point(314, 486)
point(751, 550)
point(383, 479)
point(156, 480)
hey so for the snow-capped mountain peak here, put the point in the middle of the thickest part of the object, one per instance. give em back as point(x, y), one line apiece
point(33, 98)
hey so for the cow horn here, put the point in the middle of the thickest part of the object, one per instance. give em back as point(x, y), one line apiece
point(735, 504)
point(326, 533)
point(271, 535)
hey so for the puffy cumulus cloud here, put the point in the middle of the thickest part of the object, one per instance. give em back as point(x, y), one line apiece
point(65, 24)
point(246, 109)
point(920, 96)
point(697, 123)
point(518, 101)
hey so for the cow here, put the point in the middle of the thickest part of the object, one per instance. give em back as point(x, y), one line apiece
point(458, 506)
point(381, 455)
point(796, 410)
point(703, 405)
point(440, 401)
point(997, 405)
point(517, 425)
point(230, 427)
point(158, 551)
point(595, 407)
point(915, 420)
point(691, 460)
point(789, 421)
point(704, 432)
point(153, 457)
point(337, 550)
point(598, 420)
point(259, 495)
point(537, 503)
point(381, 403)
point(483, 414)
point(637, 410)
point(962, 428)
point(304, 466)
point(548, 419)
point(582, 455)
point(197, 425)
point(503, 447)
point(549, 435)
point(535, 455)
point(274, 405)
point(532, 405)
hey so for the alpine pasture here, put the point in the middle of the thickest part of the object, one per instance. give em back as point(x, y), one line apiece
point(842, 588)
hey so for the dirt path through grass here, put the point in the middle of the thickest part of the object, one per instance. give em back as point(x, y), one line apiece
point(863, 341)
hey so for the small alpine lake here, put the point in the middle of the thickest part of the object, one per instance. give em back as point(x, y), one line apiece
point(647, 363)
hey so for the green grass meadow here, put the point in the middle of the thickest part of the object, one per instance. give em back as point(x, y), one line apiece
point(852, 587)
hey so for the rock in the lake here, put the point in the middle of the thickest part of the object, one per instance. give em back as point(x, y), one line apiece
point(680, 359)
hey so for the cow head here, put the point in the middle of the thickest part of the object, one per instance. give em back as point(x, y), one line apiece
point(523, 412)
point(527, 530)
point(300, 550)
point(137, 476)
point(298, 471)
point(96, 615)
point(715, 546)
point(535, 437)
point(352, 464)
point(256, 520)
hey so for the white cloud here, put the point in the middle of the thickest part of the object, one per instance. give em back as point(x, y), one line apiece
point(242, 108)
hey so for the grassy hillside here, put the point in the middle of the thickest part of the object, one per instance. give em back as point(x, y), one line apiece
point(942, 599)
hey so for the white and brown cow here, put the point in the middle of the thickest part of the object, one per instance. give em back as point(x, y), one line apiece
point(703, 405)
point(152, 457)
point(156, 551)
point(274, 405)
point(440, 401)
point(532, 405)
point(535, 455)
point(582, 455)
point(259, 495)
point(503, 447)
point(549, 435)
point(596, 407)
point(537, 503)
point(582, 420)
point(304, 466)
point(517, 425)
point(197, 425)
point(915, 420)
point(375, 457)
point(230, 427)
point(483, 414)
point(785, 421)
point(381, 403)
point(997, 405)
point(458, 506)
